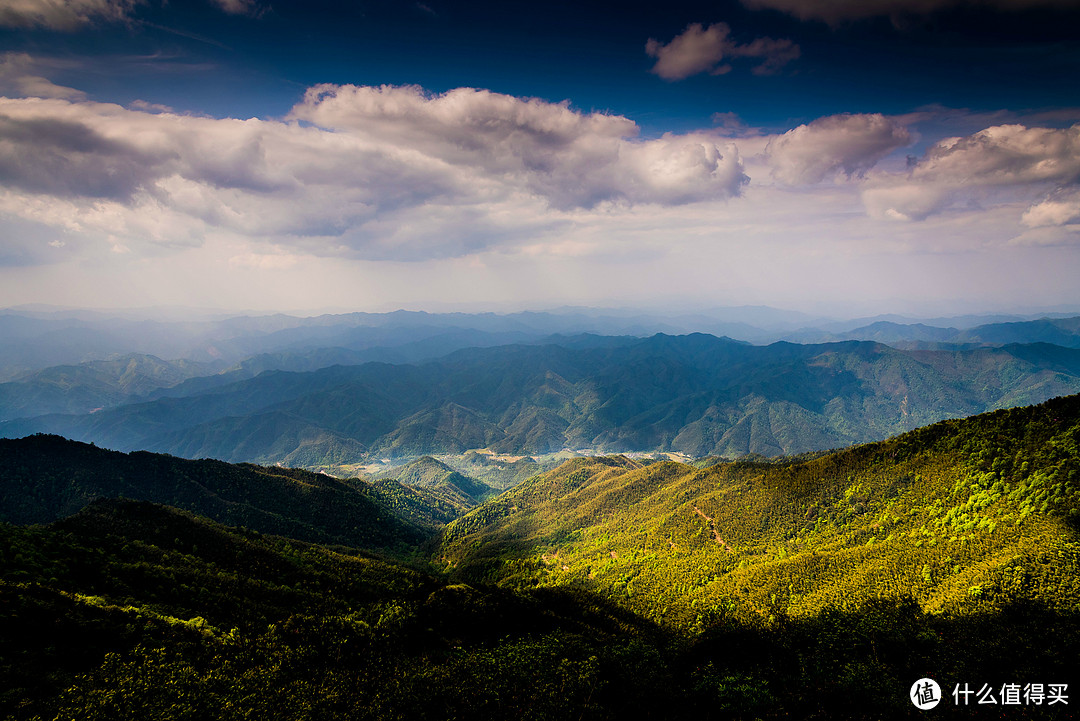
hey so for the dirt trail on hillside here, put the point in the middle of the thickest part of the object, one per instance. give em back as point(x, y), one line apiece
point(715, 533)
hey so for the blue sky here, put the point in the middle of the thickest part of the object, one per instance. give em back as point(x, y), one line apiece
point(836, 155)
point(197, 58)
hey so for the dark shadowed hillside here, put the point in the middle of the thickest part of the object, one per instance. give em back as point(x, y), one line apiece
point(45, 478)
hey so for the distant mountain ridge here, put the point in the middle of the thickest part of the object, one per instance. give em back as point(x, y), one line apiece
point(1057, 331)
point(31, 340)
point(695, 394)
point(94, 385)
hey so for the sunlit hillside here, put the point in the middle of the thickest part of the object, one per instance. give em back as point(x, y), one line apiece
point(606, 588)
point(961, 516)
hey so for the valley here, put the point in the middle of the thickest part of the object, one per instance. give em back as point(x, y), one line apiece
point(484, 361)
point(604, 586)
point(657, 526)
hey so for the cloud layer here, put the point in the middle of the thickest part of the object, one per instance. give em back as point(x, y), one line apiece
point(1000, 158)
point(699, 49)
point(846, 143)
point(386, 172)
point(570, 159)
point(399, 173)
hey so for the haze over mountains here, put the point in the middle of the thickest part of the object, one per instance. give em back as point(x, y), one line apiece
point(337, 390)
point(35, 338)
point(1058, 331)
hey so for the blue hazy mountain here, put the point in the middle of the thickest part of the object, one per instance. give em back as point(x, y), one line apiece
point(696, 394)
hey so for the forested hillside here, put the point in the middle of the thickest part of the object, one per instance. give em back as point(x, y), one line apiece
point(962, 517)
point(695, 394)
point(45, 478)
point(605, 588)
point(438, 478)
point(134, 611)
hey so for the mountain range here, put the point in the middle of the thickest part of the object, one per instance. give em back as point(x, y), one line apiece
point(32, 339)
point(1057, 331)
point(695, 394)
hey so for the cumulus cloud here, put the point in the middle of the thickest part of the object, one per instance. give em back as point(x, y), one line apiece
point(1004, 154)
point(1061, 208)
point(383, 172)
point(838, 11)
point(849, 144)
point(64, 15)
point(1000, 157)
point(64, 158)
point(569, 158)
point(699, 49)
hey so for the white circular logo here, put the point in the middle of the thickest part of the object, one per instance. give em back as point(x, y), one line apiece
point(925, 694)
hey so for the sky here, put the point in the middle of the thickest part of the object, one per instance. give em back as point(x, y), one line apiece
point(844, 157)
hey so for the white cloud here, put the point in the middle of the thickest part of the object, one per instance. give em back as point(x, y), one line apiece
point(1060, 209)
point(903, 201)
point(837, 11)
point(150, 107)
point(696, 50)
point(850, 144)
point(568, 158)
point(38, 87)
point(64, 15)
point(699, 49)
point(1002, 158)
point(388, 173)
point(359, 174)
point(1061, 235)
point(775, 54)
point(1005, 154)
